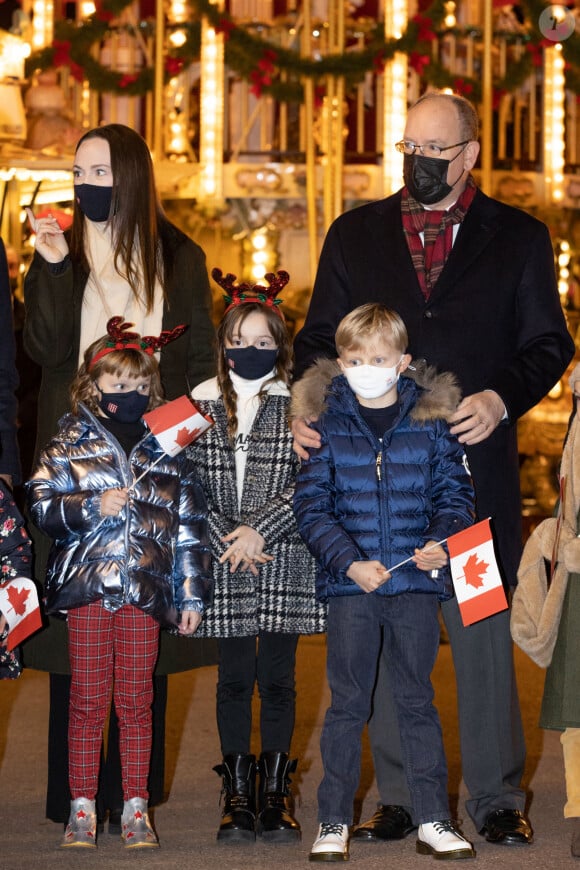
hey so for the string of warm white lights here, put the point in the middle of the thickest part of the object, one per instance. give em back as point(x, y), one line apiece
point(212, 113)
point(176, 93)
point(42, 23)
point(394, 96)
point(554, 114)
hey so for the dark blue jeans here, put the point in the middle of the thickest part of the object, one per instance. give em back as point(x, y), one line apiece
point(409, 626)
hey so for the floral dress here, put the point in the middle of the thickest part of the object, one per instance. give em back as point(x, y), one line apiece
point(15, 561)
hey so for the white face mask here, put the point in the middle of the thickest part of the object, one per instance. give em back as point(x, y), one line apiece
point(371, 382)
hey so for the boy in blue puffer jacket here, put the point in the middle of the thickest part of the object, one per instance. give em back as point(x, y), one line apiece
point(387, 485)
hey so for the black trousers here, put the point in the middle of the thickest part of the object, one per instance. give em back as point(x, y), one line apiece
point(268, 660)
point(110, 794)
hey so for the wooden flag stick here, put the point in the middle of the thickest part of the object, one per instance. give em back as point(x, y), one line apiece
point(147, 470)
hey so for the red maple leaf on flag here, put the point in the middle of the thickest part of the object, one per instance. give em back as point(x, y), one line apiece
point(185, 436)
point(474, 571)
point(18, 598)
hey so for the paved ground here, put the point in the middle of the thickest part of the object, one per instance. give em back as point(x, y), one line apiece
point(187, 822)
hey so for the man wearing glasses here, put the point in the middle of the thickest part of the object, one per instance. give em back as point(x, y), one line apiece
point(473, 279)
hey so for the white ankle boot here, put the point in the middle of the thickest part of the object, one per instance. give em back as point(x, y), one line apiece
point(331, 843)
point(443, 840)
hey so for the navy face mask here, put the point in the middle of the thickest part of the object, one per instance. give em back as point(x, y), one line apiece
point(251, 363)
point(94, 201)
point(124, 407)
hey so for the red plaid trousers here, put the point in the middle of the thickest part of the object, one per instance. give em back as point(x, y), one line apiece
point(110, 649)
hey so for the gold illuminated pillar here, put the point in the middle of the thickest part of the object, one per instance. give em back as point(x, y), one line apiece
point(394, 96)
point(158, 89)
point(487, 100)
point(310, 146)
point(212, 116)
point(333, 126)
point(554, 114)
point(176, 116)
point(87, 104)
point(42, 23)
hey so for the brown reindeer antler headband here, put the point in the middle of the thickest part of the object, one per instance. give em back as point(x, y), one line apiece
point(238, 294)
point(121, 339)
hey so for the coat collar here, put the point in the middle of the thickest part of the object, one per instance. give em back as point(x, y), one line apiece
point(383, 218)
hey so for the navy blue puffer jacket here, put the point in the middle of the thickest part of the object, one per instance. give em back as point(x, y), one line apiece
point(358, 499)
point(154, 554)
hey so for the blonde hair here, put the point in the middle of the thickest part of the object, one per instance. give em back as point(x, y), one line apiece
point(369, 321)
point(120, 363)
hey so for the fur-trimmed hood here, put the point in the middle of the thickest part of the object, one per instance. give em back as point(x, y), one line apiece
point(439, 393)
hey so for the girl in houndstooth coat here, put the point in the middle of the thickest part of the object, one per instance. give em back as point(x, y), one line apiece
point(264, 576)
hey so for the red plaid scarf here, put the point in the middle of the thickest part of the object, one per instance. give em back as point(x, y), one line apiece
point(430, 256)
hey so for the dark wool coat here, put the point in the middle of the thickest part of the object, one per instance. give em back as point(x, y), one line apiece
point(494, 319)
point(9, 461)
point(351, 508)
point(282, 597)
point(53, 325)
point(51, 337)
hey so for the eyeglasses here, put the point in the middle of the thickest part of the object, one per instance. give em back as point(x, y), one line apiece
point(428, 150)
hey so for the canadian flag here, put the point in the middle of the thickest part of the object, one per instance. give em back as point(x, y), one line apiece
point(19, 604)
point(177, 424)
point(476, 578)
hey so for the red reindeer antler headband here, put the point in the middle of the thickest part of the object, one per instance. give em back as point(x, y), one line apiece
point(121, 339)
point(238, 294)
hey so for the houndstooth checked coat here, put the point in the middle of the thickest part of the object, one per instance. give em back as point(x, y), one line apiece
point(281, 598)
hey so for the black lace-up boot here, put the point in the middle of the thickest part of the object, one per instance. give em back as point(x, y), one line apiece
point(238, 822)
point(276, 821)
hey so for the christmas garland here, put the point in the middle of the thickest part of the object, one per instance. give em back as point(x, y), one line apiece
point(278, 71)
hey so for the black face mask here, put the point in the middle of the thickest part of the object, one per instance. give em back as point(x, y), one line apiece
point(426, 177)
point(94, 201)
point(251, 363)
point(124, 407)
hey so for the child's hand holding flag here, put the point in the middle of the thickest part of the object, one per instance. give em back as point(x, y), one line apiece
point(476, 578)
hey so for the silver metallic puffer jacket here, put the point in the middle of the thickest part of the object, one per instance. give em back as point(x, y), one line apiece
point(155, 554)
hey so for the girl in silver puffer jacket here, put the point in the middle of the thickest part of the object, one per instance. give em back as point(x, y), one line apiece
point(130, 553)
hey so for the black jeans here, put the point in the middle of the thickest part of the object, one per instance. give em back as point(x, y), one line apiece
point(110, 794)
point(268, 659)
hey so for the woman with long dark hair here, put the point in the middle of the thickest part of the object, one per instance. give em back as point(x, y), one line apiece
point(122, 257)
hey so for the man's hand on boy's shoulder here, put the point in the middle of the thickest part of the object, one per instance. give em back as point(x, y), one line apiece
point(305, 437)
point(368, 575)
point(477, 416)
